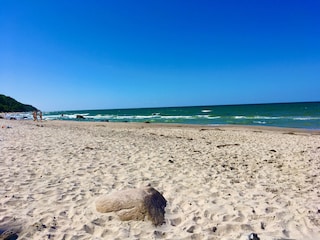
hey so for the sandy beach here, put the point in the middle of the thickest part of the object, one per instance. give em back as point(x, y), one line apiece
point(219, 182)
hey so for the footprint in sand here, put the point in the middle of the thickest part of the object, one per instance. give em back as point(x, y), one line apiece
point(88, 229)
point(175, 221)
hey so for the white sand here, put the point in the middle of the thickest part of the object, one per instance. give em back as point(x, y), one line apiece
point(220, 183)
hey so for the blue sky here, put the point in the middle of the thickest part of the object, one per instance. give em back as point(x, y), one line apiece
point(71, 55)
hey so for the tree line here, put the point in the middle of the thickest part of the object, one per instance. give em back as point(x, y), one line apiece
point(8, 104)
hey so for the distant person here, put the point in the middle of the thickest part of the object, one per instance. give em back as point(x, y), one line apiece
point(34, 114)
point(40, 115)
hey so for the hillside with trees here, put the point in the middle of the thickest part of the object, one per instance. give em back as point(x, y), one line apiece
point(8, 104)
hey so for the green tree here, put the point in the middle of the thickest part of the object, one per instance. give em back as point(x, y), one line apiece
point(8, 104)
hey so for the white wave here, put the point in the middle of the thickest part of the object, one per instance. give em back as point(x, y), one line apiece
point(306, 118)
point(140, 117)
point(74, 116)
point(134, 117)
point(144, 117)
point(266, 117)
point(19, 116)
point(52, 117)
point(208, 117)
point(259, 122)
point(102, 117)
point(177, 117)
point(256, 117)
point(206, 110)
point(275, 118)
point(64, 116)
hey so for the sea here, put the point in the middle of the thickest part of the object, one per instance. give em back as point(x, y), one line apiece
point(305, 115)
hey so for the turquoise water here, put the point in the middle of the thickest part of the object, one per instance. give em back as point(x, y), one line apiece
point(293, 115)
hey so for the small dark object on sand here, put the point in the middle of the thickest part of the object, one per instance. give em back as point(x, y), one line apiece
point(253, 236)
point(8, 235)
point(228, 145)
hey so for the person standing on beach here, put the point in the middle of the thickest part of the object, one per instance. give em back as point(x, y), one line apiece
point(34, 114)
point(40, 115)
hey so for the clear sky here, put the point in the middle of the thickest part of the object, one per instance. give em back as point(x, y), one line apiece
point(72, 55)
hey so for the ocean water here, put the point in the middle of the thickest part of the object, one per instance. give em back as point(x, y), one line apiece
point(294, 115)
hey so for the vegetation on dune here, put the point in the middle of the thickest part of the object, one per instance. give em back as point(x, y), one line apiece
point(8, 104)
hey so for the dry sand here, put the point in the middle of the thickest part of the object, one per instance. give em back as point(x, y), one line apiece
point(220, 182)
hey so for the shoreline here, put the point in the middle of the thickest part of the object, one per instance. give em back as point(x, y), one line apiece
point(221, 182)
point(182, 125)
